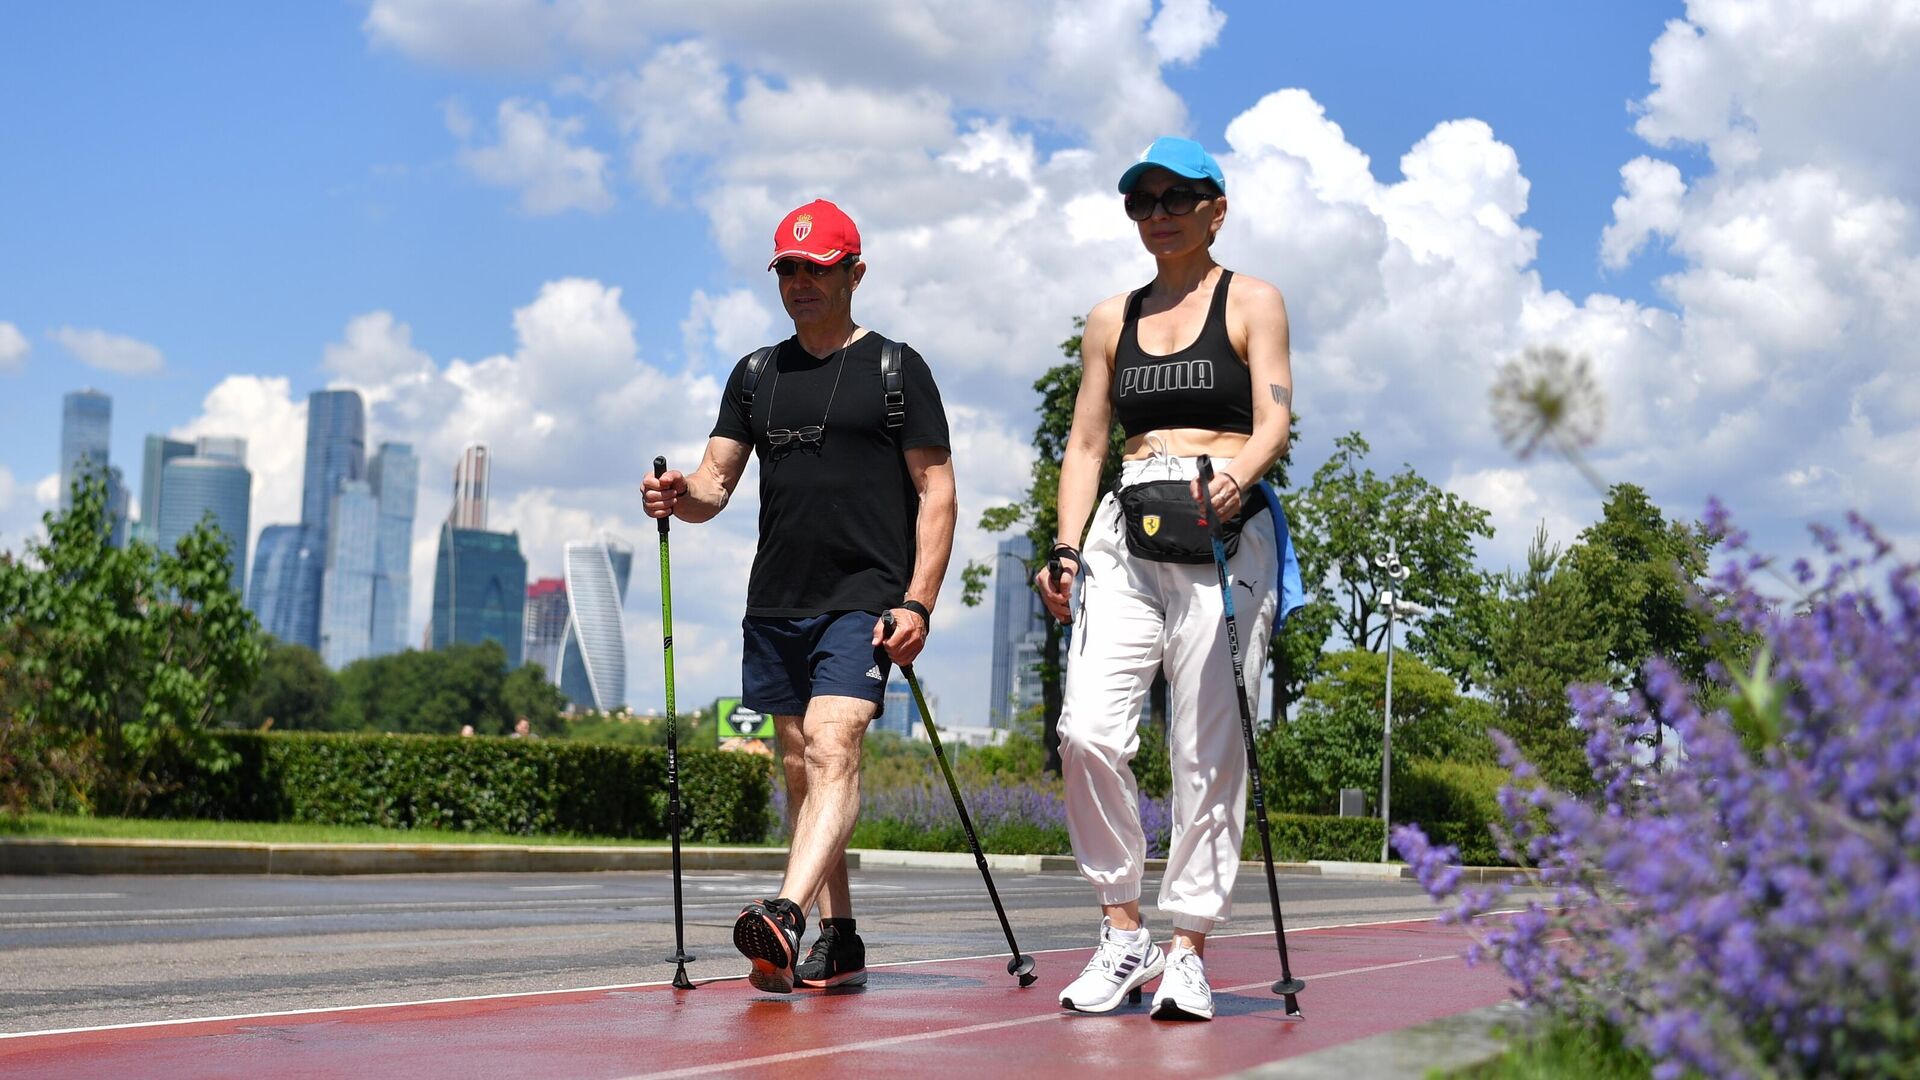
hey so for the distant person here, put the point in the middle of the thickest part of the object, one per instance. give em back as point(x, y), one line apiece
point(466, 731)
point(856, 519)
point(523, 729)
point(1194, 362)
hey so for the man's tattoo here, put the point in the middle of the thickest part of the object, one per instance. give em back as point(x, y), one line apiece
point(1281, 395)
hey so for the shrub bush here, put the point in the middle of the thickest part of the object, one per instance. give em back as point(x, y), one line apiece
point(526, 787)
point(1455, 803)
point(1300, 837)
point(1748, 908)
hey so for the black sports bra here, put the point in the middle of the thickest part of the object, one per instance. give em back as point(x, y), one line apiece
point(1205, 385)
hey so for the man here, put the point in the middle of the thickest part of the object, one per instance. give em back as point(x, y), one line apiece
point(856, 519)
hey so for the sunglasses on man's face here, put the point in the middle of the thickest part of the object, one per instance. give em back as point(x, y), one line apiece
point(786, 268)
point(1178, 202)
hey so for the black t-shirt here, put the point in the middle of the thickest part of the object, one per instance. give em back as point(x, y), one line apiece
point(837, 517)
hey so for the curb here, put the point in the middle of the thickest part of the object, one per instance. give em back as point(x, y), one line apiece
point(1437, 1047)
point(52, 855)
point(37, 855)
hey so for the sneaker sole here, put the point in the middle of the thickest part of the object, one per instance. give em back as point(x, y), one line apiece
point(1128, 989)
point(760, 941)
point(1171, 1010)
point(845, 978)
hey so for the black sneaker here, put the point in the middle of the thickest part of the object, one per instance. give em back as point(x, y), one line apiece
point(836, 959)
point(768, 933)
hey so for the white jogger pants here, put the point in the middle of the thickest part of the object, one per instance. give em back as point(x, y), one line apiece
point(1136, 618)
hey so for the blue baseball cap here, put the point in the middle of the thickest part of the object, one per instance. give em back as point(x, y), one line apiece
point(1182, 157)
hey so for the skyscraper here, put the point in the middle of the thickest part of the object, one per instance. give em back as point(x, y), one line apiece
point(289, 569)
point(900, 714)
point(160, 450)
point(346, 602)
point(394, 475)
point(479, 590)
point(336, 451)
point(546, 625)
point(1017, 616)
point(593, 655)
point(472, 478)
point(86, 428)
point(193, 487)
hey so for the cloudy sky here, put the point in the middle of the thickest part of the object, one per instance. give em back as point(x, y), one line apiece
point(544, 225)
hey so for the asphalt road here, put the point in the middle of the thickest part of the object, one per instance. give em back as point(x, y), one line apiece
point(85, 951)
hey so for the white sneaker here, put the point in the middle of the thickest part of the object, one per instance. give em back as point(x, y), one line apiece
point(1184, 993)
point(1125, 960)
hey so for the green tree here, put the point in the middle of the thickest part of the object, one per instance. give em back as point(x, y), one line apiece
point(1546, 636)
point(426, 692)
point(294, 692)
point(1334, 740)
point(1643, 577)
point(528, 693)
point(1345, 518)
point(131, 652)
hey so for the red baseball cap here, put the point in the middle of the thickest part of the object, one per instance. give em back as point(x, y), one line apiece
point(817, 232)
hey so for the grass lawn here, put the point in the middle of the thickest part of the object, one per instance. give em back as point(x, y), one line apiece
point(73, 827)
point(1559, 1050)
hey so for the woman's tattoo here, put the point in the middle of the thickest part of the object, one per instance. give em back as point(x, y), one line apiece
point(1281, 395)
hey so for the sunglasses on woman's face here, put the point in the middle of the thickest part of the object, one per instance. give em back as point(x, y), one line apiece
point(1178, 202)
point(789, 267)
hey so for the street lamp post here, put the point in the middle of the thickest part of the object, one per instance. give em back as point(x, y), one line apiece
point(1396, 573)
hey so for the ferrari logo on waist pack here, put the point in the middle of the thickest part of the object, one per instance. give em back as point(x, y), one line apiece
point(1151, 523)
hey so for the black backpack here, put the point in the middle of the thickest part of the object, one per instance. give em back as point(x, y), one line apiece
point(892, 381)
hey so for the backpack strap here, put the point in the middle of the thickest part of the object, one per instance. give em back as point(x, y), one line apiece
point(750, 378)
point(894, 382)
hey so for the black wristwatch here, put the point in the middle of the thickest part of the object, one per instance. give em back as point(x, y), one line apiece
point(920, 609)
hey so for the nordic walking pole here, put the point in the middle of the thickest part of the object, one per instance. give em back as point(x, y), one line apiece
point(1288, 985)
point(1021, 966)
point(680, 958)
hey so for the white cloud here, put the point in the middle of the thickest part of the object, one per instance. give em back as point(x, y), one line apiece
point(1184, 29)
point(7, 488)
point(263, 411)
point(537, 154)
point(1516, 507)
point(378, 351)
point(674, 107)
point(47, 491)
point(14, 348)
point(110, 352)
point(1651, 207)
point(726, 327)
point(465, 33)
point(1764, 83)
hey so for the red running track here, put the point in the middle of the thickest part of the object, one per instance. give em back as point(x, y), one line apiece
point(934, 1018)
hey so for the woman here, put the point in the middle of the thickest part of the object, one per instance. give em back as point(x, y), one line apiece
point(1193, 363)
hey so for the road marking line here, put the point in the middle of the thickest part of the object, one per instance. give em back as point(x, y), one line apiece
point(550, 888)
point(61, 895)
point(971, 1029)
point(637, 986)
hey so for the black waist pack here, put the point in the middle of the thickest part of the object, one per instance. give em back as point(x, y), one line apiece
point(1164, 524)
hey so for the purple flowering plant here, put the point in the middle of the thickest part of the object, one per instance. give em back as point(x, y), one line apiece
point(1751, 906)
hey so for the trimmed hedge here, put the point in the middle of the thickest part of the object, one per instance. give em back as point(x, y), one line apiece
point(1455, 803)
point(1300, 837)
point(1296, 837)
point(518, 786)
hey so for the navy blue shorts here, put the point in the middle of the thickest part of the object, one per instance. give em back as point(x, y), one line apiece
point(788, 662)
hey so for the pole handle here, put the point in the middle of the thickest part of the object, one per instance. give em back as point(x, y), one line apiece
point(659, 470)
